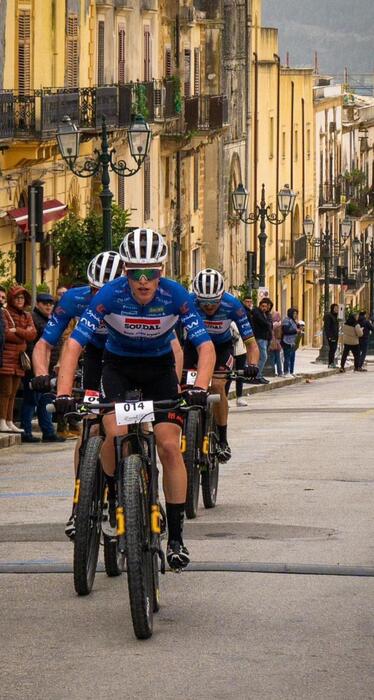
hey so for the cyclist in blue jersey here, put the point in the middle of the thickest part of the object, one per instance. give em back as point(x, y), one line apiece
point(140, 312)
point(218, 309)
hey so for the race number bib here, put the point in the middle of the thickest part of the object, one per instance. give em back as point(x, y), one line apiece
point(134, 412)
point(91, 398)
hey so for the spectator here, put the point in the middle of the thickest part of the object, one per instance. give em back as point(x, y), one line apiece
point(367, 328)
point(19, 330)
point(240, 357)
point(32, 399)
point(262, 329)
point(352, 331)
point(248, 303)
point(2, 323)
point(290, 331)
point(331, 331)
point(275, 347)
point(60, 291)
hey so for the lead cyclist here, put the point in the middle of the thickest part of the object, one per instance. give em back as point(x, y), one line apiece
point(140, 311)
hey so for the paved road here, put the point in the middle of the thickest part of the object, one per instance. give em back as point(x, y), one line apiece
point(299, 489)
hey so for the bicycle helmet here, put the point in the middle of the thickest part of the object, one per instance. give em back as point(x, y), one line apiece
point(208, 285)
point(105, 267)
point(143, 246)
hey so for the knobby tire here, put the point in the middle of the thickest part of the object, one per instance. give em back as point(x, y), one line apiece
point(192, 461)
point(209, 477)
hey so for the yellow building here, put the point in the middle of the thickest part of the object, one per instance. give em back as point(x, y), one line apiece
point(282, 138)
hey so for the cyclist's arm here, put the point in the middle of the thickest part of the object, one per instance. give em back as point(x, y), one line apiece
point(41, 357)
point(69, 361)
point(178, 356)
point(205, 364)
point(253, 353)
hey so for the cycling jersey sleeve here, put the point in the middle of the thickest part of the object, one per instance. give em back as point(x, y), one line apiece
point(59, 321)
point(90, 321)
point(240, 317)
point(192, 322)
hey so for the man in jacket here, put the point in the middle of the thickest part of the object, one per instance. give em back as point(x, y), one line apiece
point(262, 329)
point(367, 328)
point(33, 399)
point(331, 331)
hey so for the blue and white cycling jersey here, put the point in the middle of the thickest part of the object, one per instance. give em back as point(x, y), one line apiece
point(218, 324)
point(72, 305)
point(140, 330)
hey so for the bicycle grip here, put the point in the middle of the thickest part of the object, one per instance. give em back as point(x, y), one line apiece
point(214, 398)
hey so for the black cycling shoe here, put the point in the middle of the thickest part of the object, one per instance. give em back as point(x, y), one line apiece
point(177, 555)
point(223, 452)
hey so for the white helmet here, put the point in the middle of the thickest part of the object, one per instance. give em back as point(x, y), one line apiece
point(143, 246)
point(105, 267)
point(209, 285)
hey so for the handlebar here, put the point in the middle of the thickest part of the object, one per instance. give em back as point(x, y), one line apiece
point(159, 406)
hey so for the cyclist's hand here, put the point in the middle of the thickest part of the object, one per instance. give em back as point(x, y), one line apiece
point(65, 404)
point(251, 371)
point(41, 383)
point(195, 396)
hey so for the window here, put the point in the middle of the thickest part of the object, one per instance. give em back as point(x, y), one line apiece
point(147, 188)
point(121, 54)
point(196, 165)
point(167, 178)
point(168, 63)
point(283, 145)
point(308, 144)
point(196, 72)
point(24, 52)
point(147, 54)
point(196, 261)
point(100, 52)
point(72, 51)
point(187, 73)
point(271, 137)
point(121, 191)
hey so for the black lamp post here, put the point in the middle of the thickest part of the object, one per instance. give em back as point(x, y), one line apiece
point(286, 203)
point(139, 136)
point(324, 242)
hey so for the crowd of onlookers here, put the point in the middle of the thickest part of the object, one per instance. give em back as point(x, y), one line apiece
point(356, 332)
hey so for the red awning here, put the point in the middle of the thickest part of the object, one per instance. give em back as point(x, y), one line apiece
point(53, 210)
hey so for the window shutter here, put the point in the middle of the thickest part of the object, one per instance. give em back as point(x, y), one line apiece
point(121, 191)
point(72, 57)
point(168, 67)
point(100, 52)
point(24, 52)
point(147, 54)
point(147, 188)
point(196, 164)
point(121, 54)
point(196, 78)
point(187, 73)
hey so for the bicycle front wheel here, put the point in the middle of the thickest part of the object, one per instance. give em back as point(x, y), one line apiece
point(209, 477)
point(88, 517)
point(191, 458)
point(138, 551)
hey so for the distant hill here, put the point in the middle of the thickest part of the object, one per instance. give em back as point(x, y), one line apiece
point(341, 31)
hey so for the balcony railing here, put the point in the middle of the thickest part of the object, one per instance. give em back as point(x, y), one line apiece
point(329, 196)
point(200, 113)
point(301, 250)
point(39, 113)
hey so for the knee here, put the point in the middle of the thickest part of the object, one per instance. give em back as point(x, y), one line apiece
point(168, 450)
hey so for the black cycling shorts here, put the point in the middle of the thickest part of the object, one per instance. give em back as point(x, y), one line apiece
point(92, 367)
point(155, 377)
point(224, 356)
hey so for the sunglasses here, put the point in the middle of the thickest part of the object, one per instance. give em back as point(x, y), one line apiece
point(148, 273)
point(209, 302)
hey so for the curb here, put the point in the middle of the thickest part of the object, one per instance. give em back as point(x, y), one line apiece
point(280, 383)
point(9, 440)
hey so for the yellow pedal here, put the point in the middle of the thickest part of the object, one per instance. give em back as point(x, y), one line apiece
point(206, 445)
point(120, 518)
point(76, 491)
point(155, 519)
point(183, 444)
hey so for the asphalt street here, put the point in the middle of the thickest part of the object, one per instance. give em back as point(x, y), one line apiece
point(298, 491)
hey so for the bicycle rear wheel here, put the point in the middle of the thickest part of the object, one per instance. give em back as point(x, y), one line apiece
point(210, 476)
point(191, 458)
point(88, 517)
point(138, 553)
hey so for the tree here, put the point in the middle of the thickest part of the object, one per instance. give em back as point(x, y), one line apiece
point(76, 241)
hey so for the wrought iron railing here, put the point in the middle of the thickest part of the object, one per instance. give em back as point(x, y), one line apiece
point(329, 195)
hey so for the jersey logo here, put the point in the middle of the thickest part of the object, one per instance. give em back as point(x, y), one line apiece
point(142, 323)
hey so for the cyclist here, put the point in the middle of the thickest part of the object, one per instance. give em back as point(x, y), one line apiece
point(219, 309)
point(103, 268)
point(141, 311)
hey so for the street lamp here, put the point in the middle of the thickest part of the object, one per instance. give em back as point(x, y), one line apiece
point(286, 202)
point(68, 139)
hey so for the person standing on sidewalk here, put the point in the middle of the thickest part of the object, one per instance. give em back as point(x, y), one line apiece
point(367, 328)
point(331, 331)
point(262, 329)
point(240, 361)
point(2, 323)
point(352, 331)
point(275, 347)
point(33, 399)
point(290, 331)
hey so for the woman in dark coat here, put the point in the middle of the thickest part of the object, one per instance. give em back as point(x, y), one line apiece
point(19, 330)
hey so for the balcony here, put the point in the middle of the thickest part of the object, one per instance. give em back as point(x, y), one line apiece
point(285, 256)
point(301, 250)
point(200, 113)
point(39, 114)
point(360, 204)
point(329, 197)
